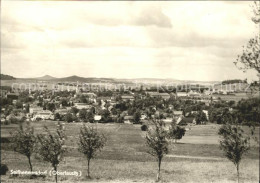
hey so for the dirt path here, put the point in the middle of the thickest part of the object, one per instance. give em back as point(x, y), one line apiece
point(194, 157)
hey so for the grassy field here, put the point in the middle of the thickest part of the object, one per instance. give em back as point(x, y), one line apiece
point(196, 158)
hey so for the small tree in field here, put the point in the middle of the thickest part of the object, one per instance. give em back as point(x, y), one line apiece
point(156, 140)
point(23, 142)
point(90, 142)
point(235, 143)
point(51, 147)
point(137, 117)
point(200, 117)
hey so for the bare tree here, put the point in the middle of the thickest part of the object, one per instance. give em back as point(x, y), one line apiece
point(23, 142)
point(90, 142)
point(250, 58)
point(51, 147)
point(156, 140)
point(256, 11)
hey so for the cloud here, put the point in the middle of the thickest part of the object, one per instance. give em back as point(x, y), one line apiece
point(97, 36)
point(71, 15)
point(151, 15)
point(120, 14)
point(124, 39)
point(188, 38)
point(11, 41)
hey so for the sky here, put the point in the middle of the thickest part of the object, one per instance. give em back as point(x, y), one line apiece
point(125, 39)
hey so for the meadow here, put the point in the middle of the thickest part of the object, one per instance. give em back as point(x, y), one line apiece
point(195, 158)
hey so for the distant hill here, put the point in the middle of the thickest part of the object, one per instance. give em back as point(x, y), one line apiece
point(75, 78)
point(232, 81)
point(46, 77)
point(7, 77)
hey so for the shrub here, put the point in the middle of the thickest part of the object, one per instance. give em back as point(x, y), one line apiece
point(7, 122)
point(176, 132)
point(14, 120)
point(5, 140)
point(3, 169)
point(144, 128)
point(57, 117)
point(183, 124)
point(69, 117)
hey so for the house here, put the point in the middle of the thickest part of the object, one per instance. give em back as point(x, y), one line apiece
point(68, 108)
point(206, 101)
point(127, 97)
point(151, 93)
point(194, 94)
point(177, 113)
point(110, 108)
point(46, 99)
point(113, 99)
point(128, 119)
point(114, 117)
point(182, 94)
point(14, 102)
point(186, 120)
point(143, 116)
point(82, 106)
point(108, 99)
point(3, 120)
point(35, 109)
point(208, 92)
point(171, 107)
point(97, 118)
point(194, 112)
point(165, 96)
point(173, 95)
point(112, 103)
point(61, 111)
point(90, 95)
point(13, 96)
point(43, 115)
point(207, 113)
point(3, 93)
point(167, 120)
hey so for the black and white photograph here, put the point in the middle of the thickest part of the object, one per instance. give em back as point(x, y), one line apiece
point(130, 91)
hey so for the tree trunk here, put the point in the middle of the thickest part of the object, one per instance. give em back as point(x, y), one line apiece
point(159, 169)
point(237, 173)
point(29, 159)
point(88, 167)
point(56, 176)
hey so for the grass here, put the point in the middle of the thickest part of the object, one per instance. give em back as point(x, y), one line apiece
point(135, 171)
point(124, 157)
